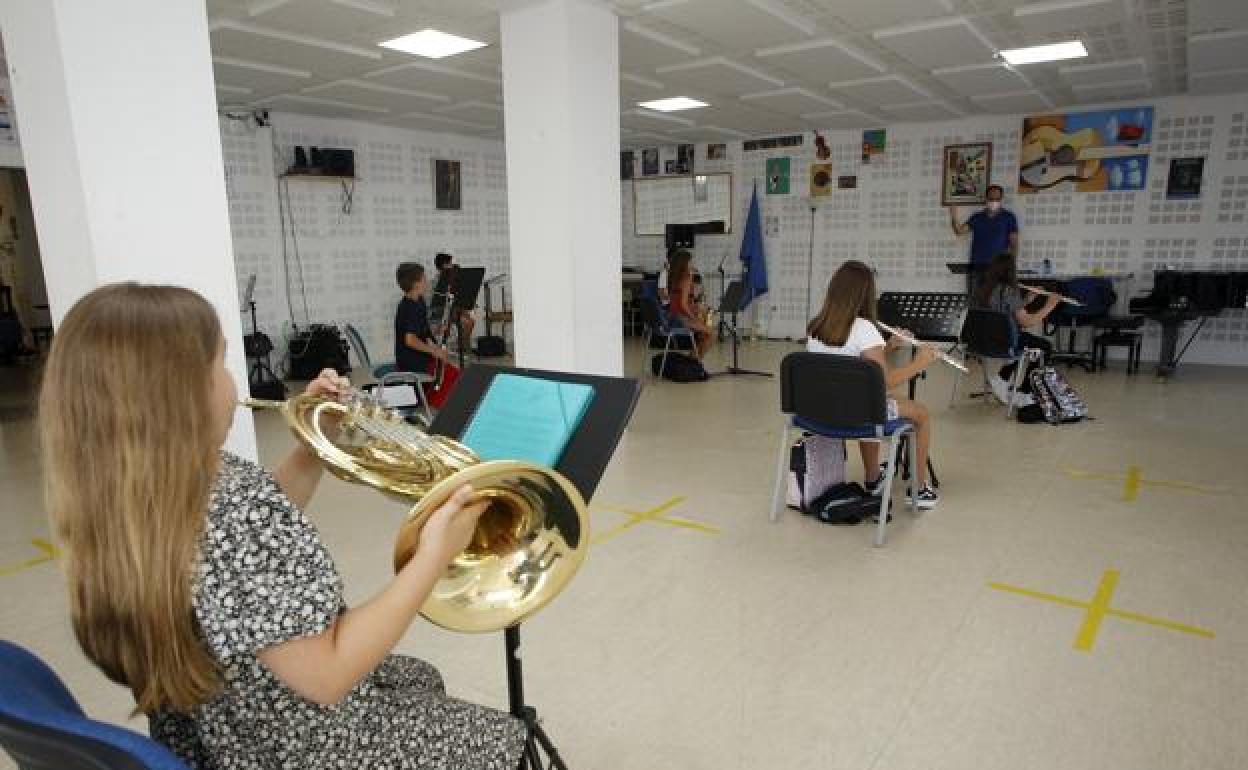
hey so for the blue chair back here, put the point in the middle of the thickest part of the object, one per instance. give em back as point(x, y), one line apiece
point(841, 392)
point(990, 333)
point(1095, 292)
point(43, 728)
point(652, 315)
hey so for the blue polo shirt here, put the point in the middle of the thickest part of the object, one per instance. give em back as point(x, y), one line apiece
point(990, 235)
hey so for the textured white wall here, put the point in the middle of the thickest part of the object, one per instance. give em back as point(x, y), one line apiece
point(347, 260)
point(894, 220)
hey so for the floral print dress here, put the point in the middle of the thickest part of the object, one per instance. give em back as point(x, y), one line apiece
point(264, 578)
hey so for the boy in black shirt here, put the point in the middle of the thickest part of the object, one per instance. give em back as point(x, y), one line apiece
point(413, 341)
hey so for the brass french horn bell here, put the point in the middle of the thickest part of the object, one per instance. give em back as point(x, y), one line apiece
point(528, 543)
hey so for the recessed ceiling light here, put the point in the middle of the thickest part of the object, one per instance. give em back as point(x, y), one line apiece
point(1041, 53)
point(673, 104)
point(432, 43)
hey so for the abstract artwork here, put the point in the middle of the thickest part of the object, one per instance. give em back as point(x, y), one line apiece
point(966, 173)
point(777, 176)
point(1101, 151)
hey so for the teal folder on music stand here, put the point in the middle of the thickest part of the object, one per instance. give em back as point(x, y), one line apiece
point(527, 418)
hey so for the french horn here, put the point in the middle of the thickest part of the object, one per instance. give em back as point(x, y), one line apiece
point(527, 545)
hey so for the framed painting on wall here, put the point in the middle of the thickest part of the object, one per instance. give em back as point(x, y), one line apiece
point(446, 185)
point(966, 173)
point(1101, 151)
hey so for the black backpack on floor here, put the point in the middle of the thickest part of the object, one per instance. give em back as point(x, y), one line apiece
point(679, 368)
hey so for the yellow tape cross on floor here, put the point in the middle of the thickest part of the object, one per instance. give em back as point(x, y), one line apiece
point(655, 516)
point(1134, 479)
point(1099, 608)
point(50, 552)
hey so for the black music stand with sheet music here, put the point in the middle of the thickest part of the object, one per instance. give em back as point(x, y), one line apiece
point(932, 316)
point(730, 306)
point(583, 462)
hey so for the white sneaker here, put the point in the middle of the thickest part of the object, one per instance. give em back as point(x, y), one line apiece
point(1001, 389)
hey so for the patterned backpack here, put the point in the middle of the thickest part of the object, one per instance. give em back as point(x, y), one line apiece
point(1056, 399)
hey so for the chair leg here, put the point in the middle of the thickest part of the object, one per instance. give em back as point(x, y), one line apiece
point(887, 493)
point(782, 474)
point(647, 334)
point(667, 344)
point(912, 449)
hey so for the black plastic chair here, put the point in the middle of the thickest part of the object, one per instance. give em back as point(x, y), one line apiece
point(992, 334)
point(840, 397)
point(42, 727)
point(656, 324)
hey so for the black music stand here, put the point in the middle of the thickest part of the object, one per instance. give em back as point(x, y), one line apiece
point(465, 285)
point(933, 316)
point(729, 306)
point(583, 462)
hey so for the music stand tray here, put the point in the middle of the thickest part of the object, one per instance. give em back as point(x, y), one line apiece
point(584, 461)
point(729, 306)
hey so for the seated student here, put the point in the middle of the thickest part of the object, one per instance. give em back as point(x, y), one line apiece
point(683, 310)
point(999, 291)
point(414, 348)
point(196, 580)
point(445, 265)
point(845, 326)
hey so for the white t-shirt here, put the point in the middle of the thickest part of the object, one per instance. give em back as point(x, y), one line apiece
point(663, 278)
point(863, 335)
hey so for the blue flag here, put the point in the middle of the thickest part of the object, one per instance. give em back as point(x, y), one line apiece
point(752, 257)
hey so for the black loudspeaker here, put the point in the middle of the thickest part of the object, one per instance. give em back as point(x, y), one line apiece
point(336, 162)
point(489, 346)
point(678, 237)
point(315, 348)
point(301, 158)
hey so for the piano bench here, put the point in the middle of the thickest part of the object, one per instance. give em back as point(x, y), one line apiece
point(1130, 339)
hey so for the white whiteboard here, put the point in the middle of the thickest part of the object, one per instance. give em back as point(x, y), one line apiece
point(663, 200)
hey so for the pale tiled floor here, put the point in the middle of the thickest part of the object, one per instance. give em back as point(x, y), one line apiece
point(797, 645)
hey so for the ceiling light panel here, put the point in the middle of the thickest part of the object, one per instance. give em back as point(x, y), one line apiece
point(1217, 50)
point(747, 24)
point(938, 43)
point(1039, 21)
point(718, 75)
point(432, 44)
point(980, 79)
point(673, 104)
point(886, 89)
point(1043, 54)
point(793, 100)
point(821, 60)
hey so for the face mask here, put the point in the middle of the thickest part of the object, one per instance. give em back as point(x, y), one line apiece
point(994, 205)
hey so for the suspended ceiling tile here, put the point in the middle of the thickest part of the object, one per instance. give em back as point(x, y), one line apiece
point(315, 105)
point(1103, 72)
point(473, 111)
point(1127, 89)
point(324, 57)
point(637, 88)
point(438, 79)
point(882, 13)
point(933, 110)
point(980, 79)
point(738, 24)
point(1217, 50)
point(1208, 15)
point(885, 89)
point(324, 17)
point(643, 49)
point(938, 43)
point(260, 77)
point(841, 119)
point(718, 75)
point(648, 119)
point(1047, 18)
point(1025, 102)
point(430, 122)
point(822, 60)
point(1219, 82)
point(794, 100)
point(377, 95)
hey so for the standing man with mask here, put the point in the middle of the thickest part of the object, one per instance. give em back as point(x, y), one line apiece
point(993, 229)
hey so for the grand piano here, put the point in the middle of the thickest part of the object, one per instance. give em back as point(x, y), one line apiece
point(1182, 296)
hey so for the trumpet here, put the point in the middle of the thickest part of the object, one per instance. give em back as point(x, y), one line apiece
point(1046, 292)
point(528, 543)
point(942, 355)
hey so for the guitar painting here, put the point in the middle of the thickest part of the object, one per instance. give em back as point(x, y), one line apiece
point(1104, 151)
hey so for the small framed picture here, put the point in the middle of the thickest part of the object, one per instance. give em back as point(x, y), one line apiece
point(966, 174)
point(669, 167)
point(1185, 177)
point(446, 185)
point(716, 151)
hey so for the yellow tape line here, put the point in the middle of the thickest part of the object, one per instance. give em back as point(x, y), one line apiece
point(1132, 486)
point(1098, 609)
point(50, 552)
point(654, 515)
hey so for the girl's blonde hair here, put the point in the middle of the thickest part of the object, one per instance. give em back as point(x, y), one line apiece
point(130, 452)
point(851, 294)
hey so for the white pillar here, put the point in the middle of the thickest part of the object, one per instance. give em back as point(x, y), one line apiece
point(561, 89)
point(117, 114)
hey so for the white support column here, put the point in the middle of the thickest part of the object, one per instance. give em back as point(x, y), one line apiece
point(117, 114)
point(561, 88)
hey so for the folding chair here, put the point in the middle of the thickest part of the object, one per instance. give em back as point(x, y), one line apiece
point(388, 375)
point(990, 335)
point(840, 397)
point(655, 324)
point(42, 727)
